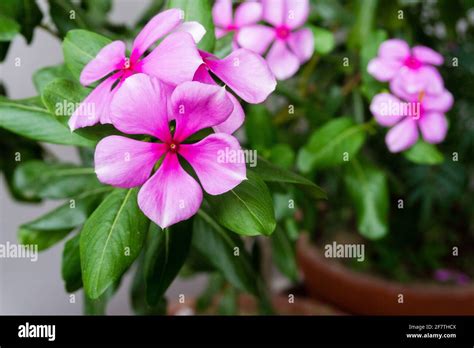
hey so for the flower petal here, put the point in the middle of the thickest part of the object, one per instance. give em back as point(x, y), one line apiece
point(109, 59)
point(433, 126)
point(160, 25)
point(438, 102)
point(197, 106)
point(196, 30)
point(427, 55)
point(95, 107)
point(394, 49)
point(386, 109)
point(248, 13)
point(140, 107)
point(124, 162)
point(202, 75)
point(175, 60)
point(282, 61)
point(383, 69)
point(222, 13)
point(274, 11)
point(301, 43)
point(409, 82)
point(297, 12)
point(402, 136)
point(171, 195)
point(246, 73)
point(256, 37)
point(218, 162)
point(235, 120)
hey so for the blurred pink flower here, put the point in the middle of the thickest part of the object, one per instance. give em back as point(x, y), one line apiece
point(446, 275)
point(291, 46)
point(422, 110)
point(243, 71)
point(142, 106)
point(173, 61)
point(411, 69)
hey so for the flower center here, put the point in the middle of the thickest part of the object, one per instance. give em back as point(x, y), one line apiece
point(412, 63)
point(231, 27)
point(282, 32)
point(174, 147)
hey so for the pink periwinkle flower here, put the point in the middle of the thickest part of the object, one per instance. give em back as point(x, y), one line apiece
point(143, 106)
point(247, 13)
point(409, 113)
point(243, 71)
point(290, 44)
point(410, 69)
point(173, 61)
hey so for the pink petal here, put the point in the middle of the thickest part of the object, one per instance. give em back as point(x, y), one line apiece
point(96, 106)
point(256, 37)
point(218, 162)
point(384, 107)
point(301, 43)
point(274, 11)
point(197, 106)
point(220, 32)
point(297, 12)
point(383, 69)
point(160, 25)
point(438, 102)
point(140, 107)
point(432, 79)
point(171, 195)
point(175, 60)
point(427, 55)
point(412, 82)
point(402, 136)
point(202, 75)
point(283, 63)
point(222, 13)
point(124, 162)
point(235, 120)
point(246, 73)
point(248, 13)
point(433, 126)
point(109, 59)
point(394, 49)
point(196, 30)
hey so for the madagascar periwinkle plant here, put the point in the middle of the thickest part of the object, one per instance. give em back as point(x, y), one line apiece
point(203, 129)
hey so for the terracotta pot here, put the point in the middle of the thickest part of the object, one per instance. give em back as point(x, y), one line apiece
point(360, 293)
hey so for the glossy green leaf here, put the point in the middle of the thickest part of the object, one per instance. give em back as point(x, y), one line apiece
point(258, 127)
point(164, 257)
point(246, 209)
point(45, 75)
point(67, 16)
point(323, 40)
point(43, 239)
point(111, 239)
point(225, 251)
point(368, 189)
point(71, 265)
point(8, 28)
point(283, 254)
point(424, 153)
point(331, 144)
point(62, 96)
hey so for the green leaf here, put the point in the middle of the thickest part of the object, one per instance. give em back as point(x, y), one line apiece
point(71, 265)
point(225, 251)
point(59, 180)
point(329, 145)
point(111, 239)
point(258, 127)
point(282, 155)
point(368, 189)
point(215, 284)
point(164, 257)
point(365, 16)
point(37, 123)
point(424, 153)
point(272, 173)
point(199, 11)
point(8, 28)
point(67, 16)
point(29, 18)
point(228, 302)
point(61, 97)
point(323, 40)
point(98, 306)
point(224, 46)
point(283, 253)
point(80, 47)
point(247, 209)
point(43, 239)
point(370, 86)
point(45, 75)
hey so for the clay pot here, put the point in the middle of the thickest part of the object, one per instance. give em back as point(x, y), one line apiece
point(360, 293)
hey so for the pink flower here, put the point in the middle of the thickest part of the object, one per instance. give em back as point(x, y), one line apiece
point(248, 13)
point(411, 69)
point(142, 106)
point(173, 61)
point(410, 113)
point(246, 73)
point(291, 46)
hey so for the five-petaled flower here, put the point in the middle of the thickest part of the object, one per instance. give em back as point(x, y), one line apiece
point(143, 105)
point(173, 61)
